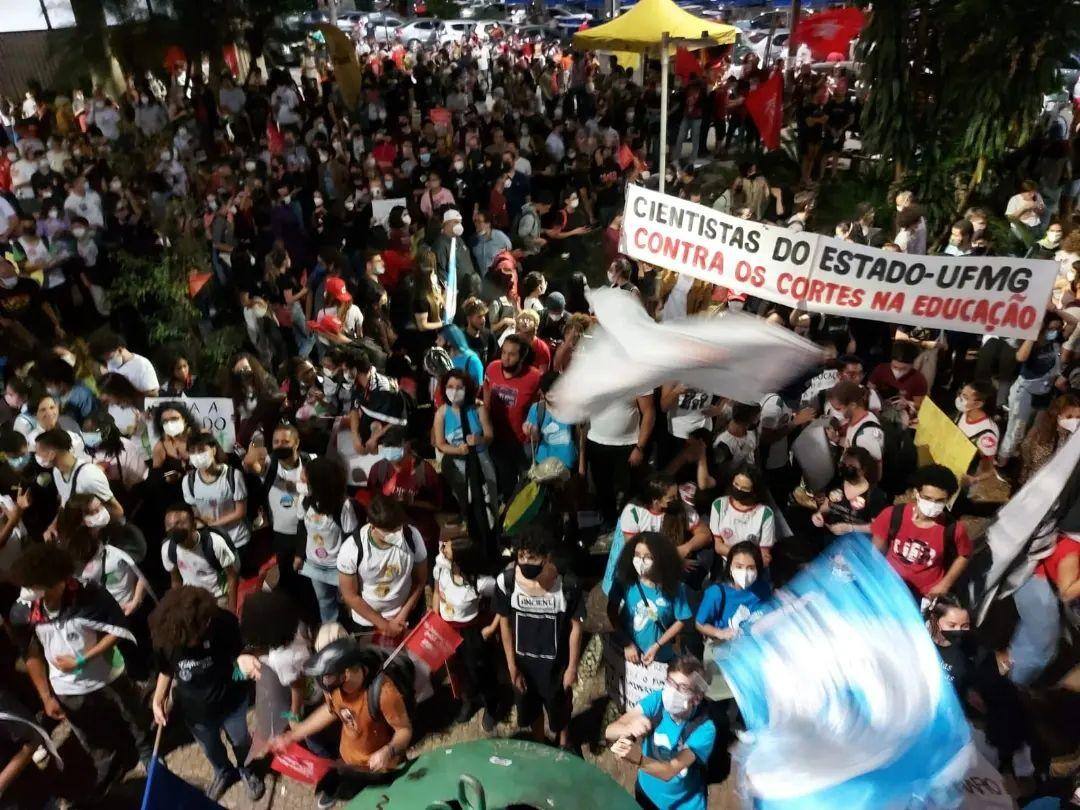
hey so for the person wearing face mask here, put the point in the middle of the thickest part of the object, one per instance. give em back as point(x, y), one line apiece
point(921, 542)
point(435, 196)
point(736, 596)
point(121, 459)
point(74, 398)
point(112, 352)
point(974, 405)
point(382, 571)
point(73, 475)
point(899, 380)
point(489, 241)
point(856, 424)
point(1039, 364)
point(743, 515)
point(1051, 430)
point(216, 491)
point(68, 633)
point(401, 473)
point(552, 437)
point(669, 738)
point(540, 621)
point(571, 223)
point(200, 556)
point(452, 339)
point(618, 276)
point(451, 240)
point(853, 499)
point(511, 385)
point(648, 605)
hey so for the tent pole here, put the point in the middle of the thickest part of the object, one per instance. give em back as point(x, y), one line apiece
point(663, 108)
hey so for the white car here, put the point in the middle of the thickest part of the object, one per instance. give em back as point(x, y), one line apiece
point(349, 21)
point(384, 27)
point(455, 31)
point(758, 38)
point(483, 28)
point(423, 31)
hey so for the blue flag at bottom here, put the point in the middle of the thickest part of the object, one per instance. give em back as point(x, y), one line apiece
point(167, 791)
point(844, 695)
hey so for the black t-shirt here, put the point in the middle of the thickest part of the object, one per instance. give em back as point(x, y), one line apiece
point(205, 689)
point(541, 624)
point(859, 510)
point(808, 131)
point(484, 344)
point(22, 303)
point(958, 667)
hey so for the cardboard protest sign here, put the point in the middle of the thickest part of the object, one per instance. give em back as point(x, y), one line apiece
point(212, 414)
point(380, 210)
point(626, 682)
point(433, 641)
point(299, 764)
point(939, 441)
point(1000, 296)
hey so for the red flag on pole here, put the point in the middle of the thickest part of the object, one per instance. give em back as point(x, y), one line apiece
point(766, 106)
point(829, 31)
point(432, 641)
point(686, 65)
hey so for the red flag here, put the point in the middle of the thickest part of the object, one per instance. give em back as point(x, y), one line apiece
point(766, 106)
point(297, 763)
point(829, 31)
point(433, 641)
point(686, 65)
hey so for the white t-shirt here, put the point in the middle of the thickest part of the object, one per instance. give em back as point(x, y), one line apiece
point(194, 568)
point(871, 438)
point(1017, 203)
point(983, 433)
point(285, 101)
point(87, 206)
point(283, 500)
point(212, 499)
point(139, 371)
point(742, 448)
point(324, 538)
point(384, 574)
point(113, 568)
point(775, 414)
point(733, 525)
point(11, 550)
point(89, 479)
point(616, 425)
point(636, 519)
point(73, 637)
point(458, 600)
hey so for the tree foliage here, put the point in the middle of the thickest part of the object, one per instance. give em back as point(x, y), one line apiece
point(955, 85)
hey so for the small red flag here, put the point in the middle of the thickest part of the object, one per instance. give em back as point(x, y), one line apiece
point(829, 31)
point(433, 641)
point(299, 764)
point(686, 65)
point(766, 106)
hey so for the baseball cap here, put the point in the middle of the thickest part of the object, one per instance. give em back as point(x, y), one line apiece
point(335, 288)
point(451, 215)
point(556, 302)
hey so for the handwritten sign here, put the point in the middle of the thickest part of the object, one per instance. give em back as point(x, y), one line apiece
point(1001, 296)
point(628, 683)
point(211, 414)
point(380, 210)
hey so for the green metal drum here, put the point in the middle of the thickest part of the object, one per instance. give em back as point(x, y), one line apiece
point(498, 774)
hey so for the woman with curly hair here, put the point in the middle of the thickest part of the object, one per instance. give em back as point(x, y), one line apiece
point(196, 644)
point(648, 605)
point(1052, 429)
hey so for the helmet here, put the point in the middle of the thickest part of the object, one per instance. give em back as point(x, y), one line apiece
point(335, 658)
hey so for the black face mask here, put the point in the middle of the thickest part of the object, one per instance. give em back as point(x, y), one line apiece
point(530, 570)
point(957, 638)
point(178, 536)
point(244, 376)
point(745, 498)
point(849, 473)
point(282, 453)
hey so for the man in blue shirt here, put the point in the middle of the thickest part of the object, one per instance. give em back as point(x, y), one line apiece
point(490, 241)
point(669, 737)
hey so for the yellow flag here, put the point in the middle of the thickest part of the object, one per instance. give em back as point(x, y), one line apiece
point(939, 441)
point(346, 66)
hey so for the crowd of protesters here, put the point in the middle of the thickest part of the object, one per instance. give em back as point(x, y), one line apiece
point(409, 287)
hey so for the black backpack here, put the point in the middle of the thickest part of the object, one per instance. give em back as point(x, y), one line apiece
point(897, 517)
point(401, 671)
point(407, 530)
point(189, 480)
point(899, 455)
point(259, 487)
point(206, 547)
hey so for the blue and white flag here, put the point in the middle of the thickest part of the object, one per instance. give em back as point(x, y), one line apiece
point(450, 304)
point(844, 696)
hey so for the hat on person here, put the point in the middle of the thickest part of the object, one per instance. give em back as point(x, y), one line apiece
point(335, 289)
point(451, 215)
point(390, 407)
point(326, 324)
point(556, 302)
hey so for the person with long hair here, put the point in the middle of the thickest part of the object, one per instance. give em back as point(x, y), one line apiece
point(853, 499)
point(648, 605)
point(736, 595)
point(328, 518)
point(658, 508)
point(427, 306)
point(744, 514)
point(176, 369)
point(196, 644)
point(256, 401)
point(1051, 430)
point(461, 585)
point(119, 456)
point(123, 401)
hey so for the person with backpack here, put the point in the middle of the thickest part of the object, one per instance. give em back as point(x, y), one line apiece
point(739, 591)
point(744, 514)
point(327, 519)
point(974, 406)
point(920, 540)
point(861, 428)
point(73, 475)
point(669, 738)
point(372, 696)
point(196, 644)
point(199, 556)
point(541, 612)
point(216, 491)
point(382, 571)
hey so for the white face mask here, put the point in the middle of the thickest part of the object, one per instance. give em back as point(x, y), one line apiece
point(45, 464)
point(572, 204)
point(78, 233)
point(95, 520)
point(260, 311)
point(642, 565)
point(172, 427)
point(455, 396)
point(459, 165)
point(406, 219)
point(458, 229)
point(201, 461)
point(744, 577)
point(1069, 424)
point(930, 509)
point(897, 374)
point(675, 702)
point(961, 405)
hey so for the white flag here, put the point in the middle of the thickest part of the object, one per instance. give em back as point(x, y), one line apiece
point(734, 355)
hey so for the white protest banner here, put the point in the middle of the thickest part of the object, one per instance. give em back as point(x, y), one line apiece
point(211, 414)
point(629, 683)
point(1000, 296)
point(380, 209)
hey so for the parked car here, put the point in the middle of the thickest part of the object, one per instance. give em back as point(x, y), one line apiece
point(384, 27)
point(455, 31)
point(422, 32)
point(315, 17)
point(349, 21)
point(484, 28)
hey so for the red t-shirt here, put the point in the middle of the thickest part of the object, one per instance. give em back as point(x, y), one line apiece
point(1066, 547)
point(911, 385)
point(541, 358)
point(919, 555)
point(510, 399)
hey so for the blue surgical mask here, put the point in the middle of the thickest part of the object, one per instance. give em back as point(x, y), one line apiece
point(392, 454)
point(18, 462)
point(91, 438)
point(1052, 335)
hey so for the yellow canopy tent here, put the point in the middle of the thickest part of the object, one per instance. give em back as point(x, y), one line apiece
point(654, 27)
